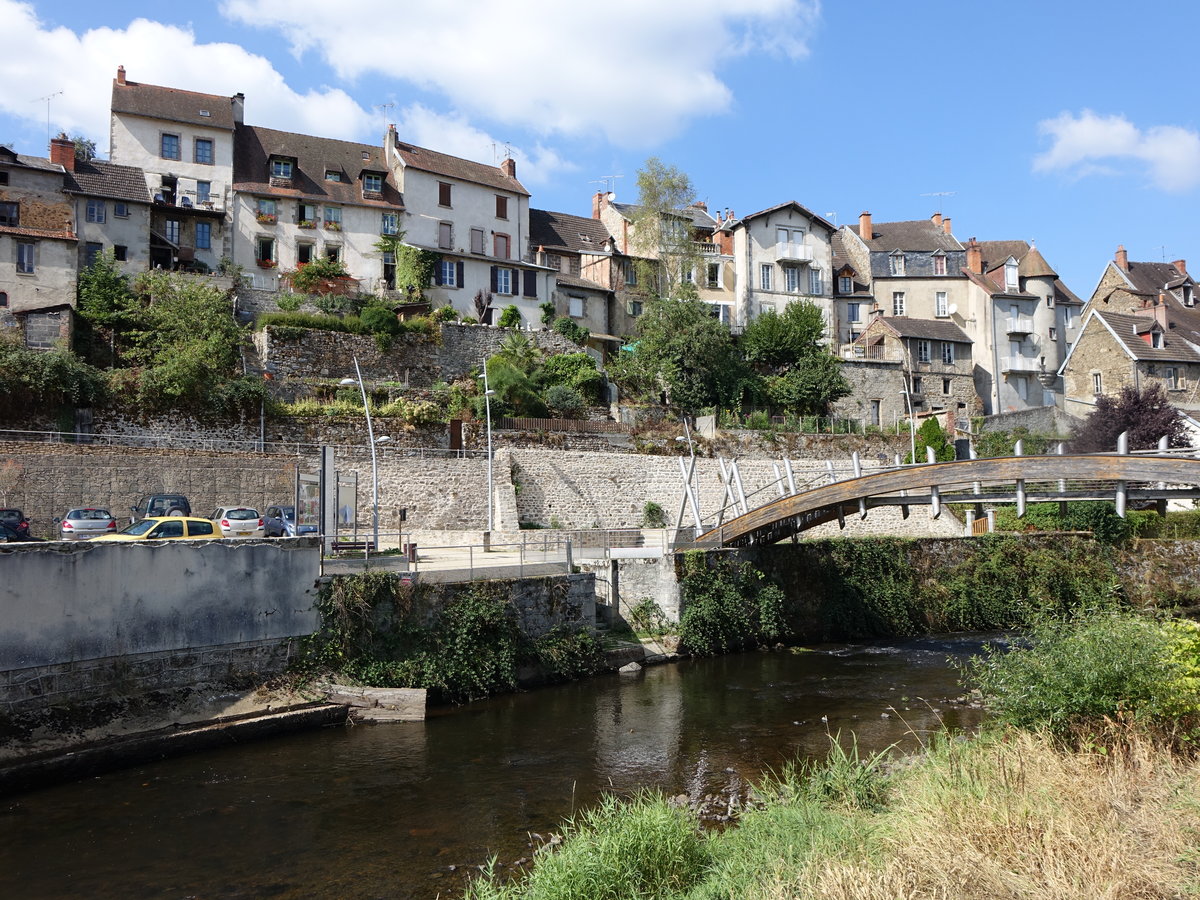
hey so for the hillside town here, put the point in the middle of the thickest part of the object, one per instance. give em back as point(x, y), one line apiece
point(922, 321)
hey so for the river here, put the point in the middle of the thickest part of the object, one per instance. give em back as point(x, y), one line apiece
point(408, 810)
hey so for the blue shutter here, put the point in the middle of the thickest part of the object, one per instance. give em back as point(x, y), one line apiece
point(459, 268)
point(530, 283)
point(495, 281)
point(437, 274)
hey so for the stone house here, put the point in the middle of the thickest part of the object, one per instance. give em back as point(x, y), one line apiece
point(183, 141)
point(1023, 320)
point(901, 365)
point(38, 243)
point(853, 297)
point(782, 254)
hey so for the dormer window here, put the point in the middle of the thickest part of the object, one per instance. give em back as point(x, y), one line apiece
point(372, 183)
point(1189, 298)
point(939, 263)
point(1011, 282)
point(845, 284)
point(281, 168)
point(333, 175)
point(1156, 340)
point(896, 262)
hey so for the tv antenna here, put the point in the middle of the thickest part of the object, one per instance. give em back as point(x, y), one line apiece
point(508, 152)
point(387, 112)
point(609, 182)
point(940, 194)
point(47, 98)
point(832, 217)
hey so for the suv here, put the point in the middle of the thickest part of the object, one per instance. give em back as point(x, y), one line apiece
point(15, 519)
point(160, 505)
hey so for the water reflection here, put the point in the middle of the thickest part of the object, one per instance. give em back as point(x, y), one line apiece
point(407, 810)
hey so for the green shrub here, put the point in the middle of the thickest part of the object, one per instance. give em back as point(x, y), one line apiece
point(289, 302)
point(547, 309)
point(380, 320)
point(575, 370)
point(309, 277)
point(445, 313)
point(727, 606)
point(570, 330)
point(653, 515)
point(510, 317)
point(1100, 518)
point(564, 402)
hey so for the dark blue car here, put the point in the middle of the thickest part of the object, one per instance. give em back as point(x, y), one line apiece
point(280, 521)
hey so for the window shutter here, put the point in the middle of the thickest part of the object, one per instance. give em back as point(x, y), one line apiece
point(437, 274)
point(459, 267)
point(495, 281)
point(530, 283)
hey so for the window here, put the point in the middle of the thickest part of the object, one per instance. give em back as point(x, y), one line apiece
point(204, 151)
point(449, 273)
point(304, 254)
point(1010, 275)
point(896, 263)
point(631, 276)
point(4, 180)
point(633, 307)
point(940, 307)
point(1171, 377)
point(333, 218)
point(854, 312)
point(96, 210)
point(1053, 333)
point(203, 191)
point(169, 184)
point(333, 252)
point(120, 252)
point(266, 211)
point(91, 251)
point(25, 259)
point(264, 249)
point(500, 246)
point(916, 385)
point(444, 194)
point(897, 303)
point(388, 264)
point(922, 351)
point(445, 235)
point(714, 275)
point(10, 214)
point(575, 307)
point(172, 230)
point(476, 240)
point(1068, 317)
point(1097, 383)
point(945, 385)
point(845, 284)
point(689, 277)
point(501, 207)
point(3, 295)
point(203, 235)
point(947, 354)
point(764, 276)
point(169, 146)
point(1156, 340)
point(333, 175)
point(503, 280)
point(121, 209)
point(389, 223)
point(1050, 301)
point(939, 264)
point(372, 183)
point(816, 283)
point(281, 168)
point(791, 277)
point(307, 213)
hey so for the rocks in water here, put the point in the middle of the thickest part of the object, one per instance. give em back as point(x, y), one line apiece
point(630, 668)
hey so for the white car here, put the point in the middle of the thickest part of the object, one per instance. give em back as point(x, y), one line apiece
point(238, 522)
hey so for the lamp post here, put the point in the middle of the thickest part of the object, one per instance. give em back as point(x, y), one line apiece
point(487, 404)
point(371, 442)
point(912, 434)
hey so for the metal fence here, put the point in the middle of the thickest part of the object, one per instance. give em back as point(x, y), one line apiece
point(576, 426)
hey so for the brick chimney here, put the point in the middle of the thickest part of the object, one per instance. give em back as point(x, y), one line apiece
point(936, 219)
point(864, 226)
point(700, 204)
point(1180, 265)
point(62, 152)
point(509, 167)
point(238, 102)
point(946, 226)
point(974, 257)
point(120, 74)
point(599, 201)
point(1122, 257)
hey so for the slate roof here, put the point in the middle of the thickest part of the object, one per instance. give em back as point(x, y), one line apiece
point(109, 180)
point(1150, 278)
point(575, 281)
point(930, 329)
point(563, 231)
point(699, 218)
point(172, 104)
point(918, 235)
point(841, 259)
point(11, 158)
point(790, 203)
point(1127, 329)
point(431, 161)
point(1031, 264)
point(254, 147)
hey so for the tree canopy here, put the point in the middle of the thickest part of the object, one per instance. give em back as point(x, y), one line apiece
point(795, 370)
point(662, 233)
point(1145, 415)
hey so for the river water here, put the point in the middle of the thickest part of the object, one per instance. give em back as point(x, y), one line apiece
point(408, 810)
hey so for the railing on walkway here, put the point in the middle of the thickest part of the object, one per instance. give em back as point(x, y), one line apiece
point(529, 557)
point(576, 426)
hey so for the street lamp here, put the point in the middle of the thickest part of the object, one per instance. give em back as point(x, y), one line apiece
point(487, 403)
point(371, 442)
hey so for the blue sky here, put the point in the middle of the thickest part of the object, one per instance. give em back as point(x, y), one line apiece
point(1070, 123)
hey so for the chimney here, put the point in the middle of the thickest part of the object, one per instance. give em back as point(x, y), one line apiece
point(720, 217)
point(509, 167)
point(1181, 266)
point(1122, 257)
point(62, 152)
point(974, 257)
point(120, 74)
point(936, 218)
point(238, 102)
point(599, 201)
point(1160, 311)
point(700, 204)
point(864, 226)
point(946, 226)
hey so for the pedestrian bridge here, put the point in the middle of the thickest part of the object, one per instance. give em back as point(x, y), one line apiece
point(1158, 476)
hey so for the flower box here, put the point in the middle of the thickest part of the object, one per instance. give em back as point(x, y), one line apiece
point(333, 226)
point(267, 218)
point(307, 223)
point(266, 263)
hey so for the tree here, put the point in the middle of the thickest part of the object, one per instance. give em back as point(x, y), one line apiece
point(108, 310)
point(662, 232)
point(1145, 415)
point(85, 148)
point(796, 371)
point(930, 434)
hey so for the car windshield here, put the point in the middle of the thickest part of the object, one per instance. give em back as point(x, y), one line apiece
point(88, 514)
point(287, 512)
point(139, 527)
point(242, 513)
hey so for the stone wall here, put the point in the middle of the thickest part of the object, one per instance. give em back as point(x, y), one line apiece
point(1037, 420)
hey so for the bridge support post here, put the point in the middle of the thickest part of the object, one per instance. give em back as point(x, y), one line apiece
point(1019, 450)
point(1122, 486)
point(1062, 482)
point(862, 501)
point(970, 528)
point(903, 506)
point(935, 493)
point(791, 478)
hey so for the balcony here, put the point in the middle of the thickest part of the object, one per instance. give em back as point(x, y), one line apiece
point(1019, 365)
point(794, 253)
point(1018, 325)
point(871, 353)
point(706, 248)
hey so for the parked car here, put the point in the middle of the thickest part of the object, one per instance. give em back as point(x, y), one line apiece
point(15, 519)
point(164, 528)
point(160, 505)
point(238, 521)
point(86, 522)
point(280, 521)
point(8, 535)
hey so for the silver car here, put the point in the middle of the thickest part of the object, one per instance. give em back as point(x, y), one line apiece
point(238, 521)
point(86, 522)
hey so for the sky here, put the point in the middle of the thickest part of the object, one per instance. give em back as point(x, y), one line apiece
point(1071, 123)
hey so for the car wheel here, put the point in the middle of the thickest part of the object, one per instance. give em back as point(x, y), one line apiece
point(175, 512)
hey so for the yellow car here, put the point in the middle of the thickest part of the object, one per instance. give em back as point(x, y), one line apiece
point(165, 528)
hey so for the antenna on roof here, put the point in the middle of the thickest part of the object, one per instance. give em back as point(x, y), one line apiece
point(609, 182)
point(47, 98)
point(940, 194)
point(832, 217)
point(386, 107)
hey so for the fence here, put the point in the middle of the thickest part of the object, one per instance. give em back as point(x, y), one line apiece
point(532, 556)
point(763, 419)
point(576, 426)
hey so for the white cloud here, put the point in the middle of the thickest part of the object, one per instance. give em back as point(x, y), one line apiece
point(1089, 144)
point(40, 60)
point(634, 71)
point(453, 134)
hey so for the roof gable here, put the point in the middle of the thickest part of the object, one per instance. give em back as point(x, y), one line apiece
point(173, 104)
point(435, 163)
point(562, 231)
